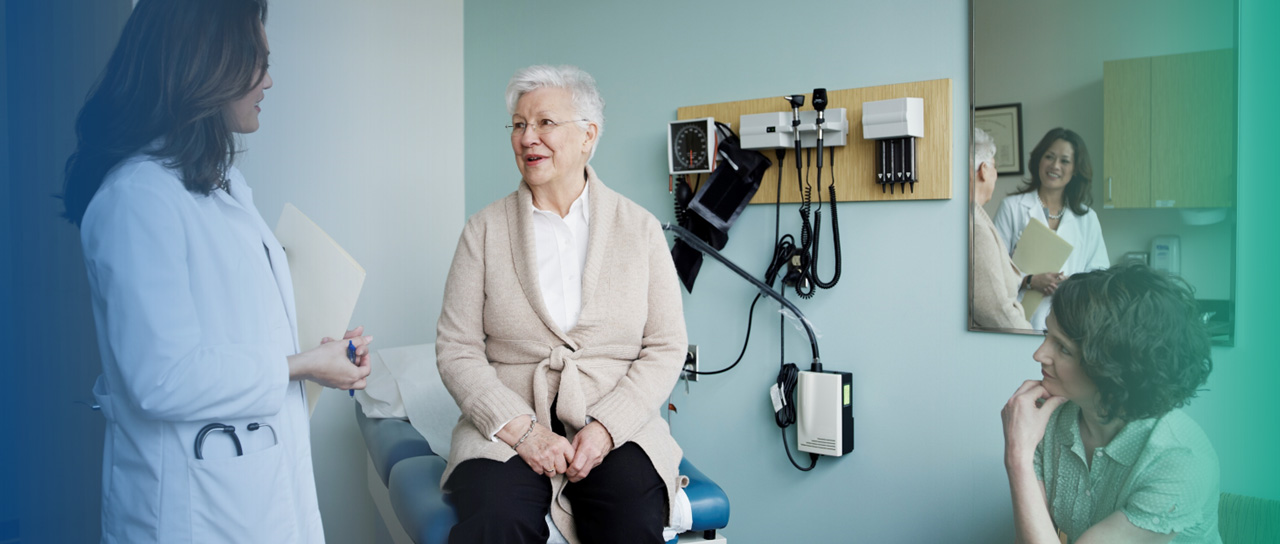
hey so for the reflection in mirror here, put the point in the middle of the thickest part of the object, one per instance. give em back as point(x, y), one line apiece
point(1113, 126)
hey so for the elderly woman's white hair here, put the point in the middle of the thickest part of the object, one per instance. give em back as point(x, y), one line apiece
point(984, 148)
point(581, 86)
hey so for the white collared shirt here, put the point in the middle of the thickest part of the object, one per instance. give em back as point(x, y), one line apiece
point(562, 254)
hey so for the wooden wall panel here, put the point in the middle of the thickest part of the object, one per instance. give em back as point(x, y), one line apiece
point(855, 162)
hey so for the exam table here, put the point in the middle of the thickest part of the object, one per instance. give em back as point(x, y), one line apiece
point(404, 481)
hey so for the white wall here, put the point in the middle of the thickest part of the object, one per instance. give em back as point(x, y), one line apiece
point(1021, 57)
point(362, 133)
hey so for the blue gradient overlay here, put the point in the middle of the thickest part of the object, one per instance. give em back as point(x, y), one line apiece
point(51, 440)
point(51, 457)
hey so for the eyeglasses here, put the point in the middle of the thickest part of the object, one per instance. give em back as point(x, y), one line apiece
point(541, 127)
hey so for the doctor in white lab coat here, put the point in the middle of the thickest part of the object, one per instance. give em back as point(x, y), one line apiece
point(1058, 194)
point(192, 295)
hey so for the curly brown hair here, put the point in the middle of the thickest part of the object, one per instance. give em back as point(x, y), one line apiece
point(1140, 338)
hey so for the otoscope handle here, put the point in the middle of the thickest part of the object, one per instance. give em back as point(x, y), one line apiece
point(820, 105)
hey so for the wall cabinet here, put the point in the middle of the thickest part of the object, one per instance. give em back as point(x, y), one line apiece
point(1169, 131)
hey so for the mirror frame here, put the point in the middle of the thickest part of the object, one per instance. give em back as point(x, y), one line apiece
point(1235, 227)
point(969, 198)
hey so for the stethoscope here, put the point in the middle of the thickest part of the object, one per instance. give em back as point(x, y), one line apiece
point(231, 430)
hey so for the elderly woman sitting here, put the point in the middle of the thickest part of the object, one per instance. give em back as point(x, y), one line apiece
point(561, 336)
point(1098, 451)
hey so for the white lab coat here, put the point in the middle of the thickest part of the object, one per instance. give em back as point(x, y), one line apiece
point(1083, 232)
point(195, 316)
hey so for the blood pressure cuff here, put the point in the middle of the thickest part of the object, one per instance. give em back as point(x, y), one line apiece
point(719, 201)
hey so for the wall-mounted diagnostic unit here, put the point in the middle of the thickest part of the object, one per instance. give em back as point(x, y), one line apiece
point(691, 146)
point(894, 125)
point(851, 153)
point(773, 130)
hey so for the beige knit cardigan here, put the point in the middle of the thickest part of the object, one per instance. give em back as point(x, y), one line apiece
point(995, 282)
point(501, 355)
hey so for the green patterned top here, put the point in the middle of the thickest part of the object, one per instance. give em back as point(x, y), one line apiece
point(1161, 472)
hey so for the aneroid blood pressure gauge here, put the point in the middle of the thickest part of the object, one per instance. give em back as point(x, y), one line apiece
point(691, 146)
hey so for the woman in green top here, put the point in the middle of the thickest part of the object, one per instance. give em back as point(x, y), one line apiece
point(1098, 451)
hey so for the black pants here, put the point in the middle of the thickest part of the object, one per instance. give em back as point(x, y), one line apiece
point(621, 501)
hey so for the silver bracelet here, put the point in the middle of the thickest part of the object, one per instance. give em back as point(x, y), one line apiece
point(533, 420)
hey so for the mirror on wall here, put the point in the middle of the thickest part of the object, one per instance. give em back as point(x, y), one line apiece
point(1111, 132)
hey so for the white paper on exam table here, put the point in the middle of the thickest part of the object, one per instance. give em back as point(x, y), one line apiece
point(428, 405)
point(326, 283)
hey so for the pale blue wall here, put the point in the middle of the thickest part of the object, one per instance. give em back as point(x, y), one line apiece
point(927, 392)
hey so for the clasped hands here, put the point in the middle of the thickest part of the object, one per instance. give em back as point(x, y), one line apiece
point(549, 454)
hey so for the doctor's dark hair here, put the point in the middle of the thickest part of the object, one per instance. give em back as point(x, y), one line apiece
point(1139, 338)
point(1078, 194)
point(177, 65)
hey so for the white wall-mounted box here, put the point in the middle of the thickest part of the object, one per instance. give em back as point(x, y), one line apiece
point(896, 118)
point(773, 130)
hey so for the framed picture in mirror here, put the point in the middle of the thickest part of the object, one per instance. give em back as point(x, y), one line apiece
point(1004, 124)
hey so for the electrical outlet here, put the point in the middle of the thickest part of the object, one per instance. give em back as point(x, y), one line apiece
point(690, 363)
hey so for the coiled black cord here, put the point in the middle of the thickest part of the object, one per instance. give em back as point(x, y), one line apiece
point(787, 376)
point(804, 285)
point(806, 227)
point(786, 416)
point(783, 245)
point(781, 154)
point(835, 233)
point(806, 198)
point(782, 252)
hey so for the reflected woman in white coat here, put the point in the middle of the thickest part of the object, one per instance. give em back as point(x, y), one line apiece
point(1059, 195)
point(191, 291)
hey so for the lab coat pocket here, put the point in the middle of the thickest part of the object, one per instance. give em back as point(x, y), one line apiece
point(242, 499)
point(103, 400)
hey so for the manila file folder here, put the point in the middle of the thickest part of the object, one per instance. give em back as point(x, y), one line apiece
point(326, 283)
point(1039, 250)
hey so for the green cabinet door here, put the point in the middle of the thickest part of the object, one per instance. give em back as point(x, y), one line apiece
point(1126, 134)
point(1193, 129)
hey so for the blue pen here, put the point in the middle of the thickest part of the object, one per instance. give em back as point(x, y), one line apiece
point(351, 354)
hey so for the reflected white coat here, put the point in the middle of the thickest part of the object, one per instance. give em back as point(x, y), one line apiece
point(195, 316)
point(1083, 232)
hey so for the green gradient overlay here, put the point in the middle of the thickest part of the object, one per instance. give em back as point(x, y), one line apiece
point(1247, 437)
